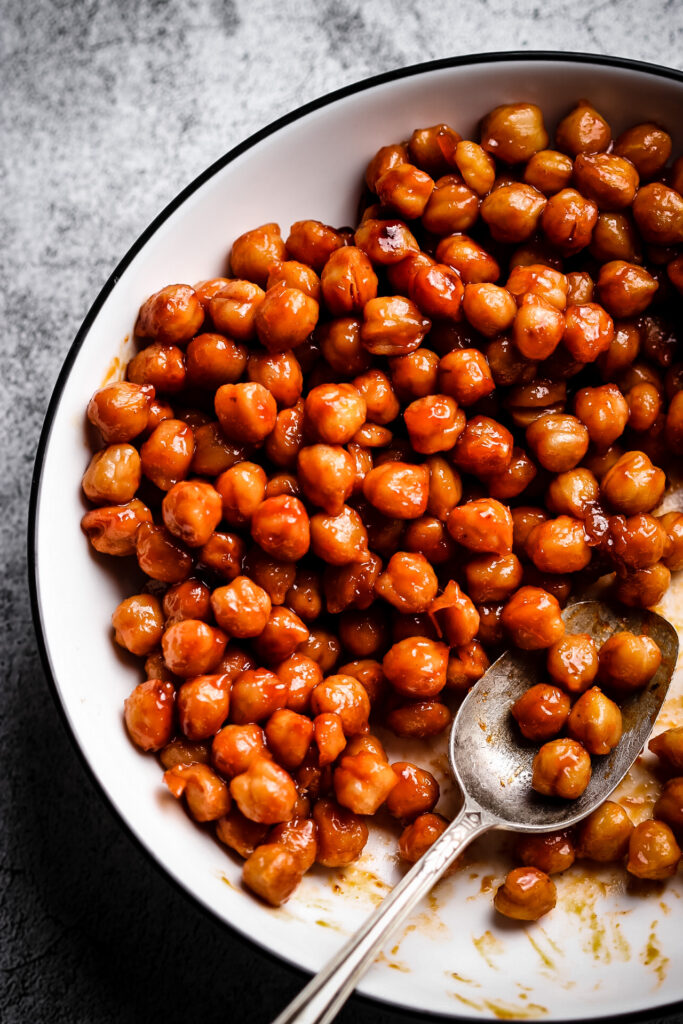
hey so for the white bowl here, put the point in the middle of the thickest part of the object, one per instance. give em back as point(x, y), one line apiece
point(604, 951)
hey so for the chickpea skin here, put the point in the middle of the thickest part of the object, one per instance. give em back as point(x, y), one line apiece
point(525, 895)
point(561, 768)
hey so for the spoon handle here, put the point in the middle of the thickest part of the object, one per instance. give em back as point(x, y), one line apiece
point(326, 993)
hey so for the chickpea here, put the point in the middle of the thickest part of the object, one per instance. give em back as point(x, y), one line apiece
point(419, 719)
point(294, 275)
point(393, 326)
point(453, 206)
point(191, 510)
point(429, 537)
point(558, 441)
point(579, 288)
point(280, 637)
point(414, 375)
point(415, 793)
point(489, 308)
point(549, 171)
point(477, 168)
point(172, 315)
point(300, 676)
point(113, 475)
point(160, 556)
point(437, 291)
point(348, 281)
point(148, 714)
point(610, 180)
point(466, 664)
point(573, 493)
point(370, 673)
point(633, 484)
point(206, 794)
point(289, 736)
point(669, 806)
point(524, 518)
point(342, 835)
point(541, 281)
point(265, 792)
point(405, 626)
point(568, 221)
point(434, 423)
point(280, 526)
point(484, 447)
point(514, 479)
point(573, 662)
point(233, 309)
point(167, 454)
point(643, 588)
point(385, 158)
point(628, 662)
point(382, 404)
point(346, 697)
point(422, 833)
point(120, 410)
point(246, 412)
point(445, 488)
point(203, 704)
point(386, 242)
point(305, 597)
point(329, 737)
point(239, 833)
point(559, 545)
point(299, 836)
point(639, 541)
point(313, 243)
point(668, 747)
point(658, 212)
point(205, 290)
point(112, 530)
point(541, 712)
point(322, 647)
point(213, 360)
point(433, 148)
point(408, 583)
point(223, 554)
point(474, 264)
point(483, 525)
point(653, 852)
point(538, 328)
point(241, 608)
point(552, 853)
point(273, 872)
point(507, 364)
point(493, 577)
point(595, 721)
point(285, 318)
point(561, 768)
point(490, 626)
point(339, 539)
point(406, 189)
point(588, 331)
point(644, 406)
point(278, 372)
point(184, 751)
point(334, 412)
point(532, 619)
point(672, 522)
point(362, 782)
point(604, 835)
point(527, 402)
point(513, 132)
point(525, 895)
point(398, 489)
point(138, 624)
point(235, 747)
point(416, 667)
point(212, 453)
point(647, 146)
point(242, 489)
point(255, 252)
point(512, 212)
point(351, 585)
point(625, 289)
point(583, 130)
point(192, 648)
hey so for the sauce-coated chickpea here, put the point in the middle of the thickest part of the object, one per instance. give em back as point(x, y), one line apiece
point(312, 242)
point(625, 289)
point(246, 412)
point(415, 793)
point(172, 315)
point(273, 872)
point(348, 281)
point(558, 441)
point(669, 806)
point(541, 713)
point(240, 834)
point(339, 539)
point(223, 554)
point(512, 212)
point(419, 719)
point(474, 264)
point(588, 331)
point(653, 852)
point(386, 242)
point(362, 782)
point(643, 588)
point(334, 412)
point(477, 168)
point(452, 206)
point(484, 447)
point(434, 423)
point(212, 453)
point(540, 280)
point(327, 476)
point(113, 475)
point(242, 489)
point(658, 212)
point(254, 253)
point(233, 309)
point(422, 833)
point(384, 158)
point(559, 545)
point(392, 326)
point(351, 585)
point(299, 836)
point(647, 146)
point(213, 360)
point(493, 577)
point(532, 619)
point(573, 662)
point(668, 747)
point(483, 525)
point(192, 647)
point(381, 402)
point(432, 148)
point(234, 748)
point(285, 318)
point(538, 327)
point(561, 768)
point(614, 238)
point(294, 275)
point(416, 667)
point(203, 704)
point(120, 410)
point(113, 530)
point(398, 489)
point(206, 794)
point(192, 509)
point(280, 526)
point(551, 853)
point(515, 478)
point(408, 582)
point(241, 608)
point(183, 751)
point(265, 792)
point(138, 623)
point(289, 736)
point(278, 372)
point(280, 637)
point(346, 697)
point(525, 895)
point(406, 189)
point(148, 714)
point(342, 834)
point(305, 596)
point(287, 437)
point(329, 737)
point(549, 171)
point(489, 308)
point(437, 291)
point(633, 484)
point(595, 721)
point(160, 556)
point(639, 541)
point(415, 374)
point(628, 662)
point(610, 180)
point(573, 493)
point(513, 132)
point(583, 130)
point(568, 221)
point(644, 406)
point(673, 524)
point(604, 835)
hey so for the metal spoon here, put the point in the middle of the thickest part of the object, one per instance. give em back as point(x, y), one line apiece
point(492, 764)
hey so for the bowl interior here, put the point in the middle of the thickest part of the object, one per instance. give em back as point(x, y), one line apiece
point(595, 955)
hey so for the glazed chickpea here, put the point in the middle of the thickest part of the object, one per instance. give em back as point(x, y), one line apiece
point(532, 619)
point(398, 489)
point(408, 626)
point(289, 736)
point(300, 676)
point(255, 252)
point(614, 238)
point(633, 484)
point(416, 667)
point(658, 212)
point(538, 328)
point(183, 751)
point(345, 696)
point(112, 530)
point(294, 275)
point(213, 360)
point(381, 401)
point(465, 374)
point(348, 281)
point(573, 493)
point(429, 537)
point(148, 714)
point(342, 835)
point(415, 793)
point(604, 835)
point(453, 206)
point(334, 412)
point(242, 489)
point(610, 180)
point(527, 402)
point(568, 220)
point(643, 588)
point(172, 315)
point(240, 834)
point(273, 872)
point(285, 318)
point(490, 627)
point(433, 148)
point(588, 331)
point(313, 242)
point(489, 308)
point(351, 585)
point(419, 719)
point(167, 454)
point(113, 475)
point(541, 281)
point(233, 309)
point(561, 768)
point(673, 552)
point(368, 672)
point(385, 158)
point(525, 895)
point(625, 289)
point(493, 577)
point(408, 583)
point(414, 375)
point(644, 406)
point(138, 624)
point(304, 597)
point(552, 853)
point(512, 212)
point(255, 695)
point(386, 242)
point(322, 647)
point(513, 132)
point(639, 541)
point(234, 748)
point(445, 487)
point(393, 326)
point(329, 737)
point(474, 264)
point(223, 554)
point(299, 836)
point(559, 545)
point(579, 287)
point(282, 634)
point(120, 410)
point(483, 525)
point(434, 423)
point(653, 852)
point(287, 437)
point(339, 539)
point(265, 792)
point(514, 479)
point(406, 189)
point(206, 794)
point(668, 747)
point(241, 608)
point(669, 806)
point(327, 475)
point(191, 510)
point(477, 168)
point(203, 704)
point(541, 712)
point(628, 662)
point(572, 662)
point(192, 648)
point(583, 130)
point(362, 782)
point(549, 171)
point(437, 292)
point(158, 411)
point(595, 721)
point(466, 664)
point(647, 146)
point(246, 412)
point(524, 518)
point(484, 447)
point(422, 833)
point(278, 372)
point(558, 441)
point(280, 526)
point(342, 348)
point(160, 556)
point(507, 364)
point(212, 453)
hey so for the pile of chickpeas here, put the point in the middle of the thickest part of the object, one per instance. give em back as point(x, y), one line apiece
point(355, 469)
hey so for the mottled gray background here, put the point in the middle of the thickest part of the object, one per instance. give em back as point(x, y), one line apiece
point(108, 108)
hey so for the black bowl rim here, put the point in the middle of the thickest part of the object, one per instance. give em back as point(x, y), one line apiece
point(663, 1011)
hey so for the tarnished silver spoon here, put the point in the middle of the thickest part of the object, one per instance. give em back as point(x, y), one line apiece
point(492, 765)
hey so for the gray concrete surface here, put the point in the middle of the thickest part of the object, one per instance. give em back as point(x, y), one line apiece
point(107, 109)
